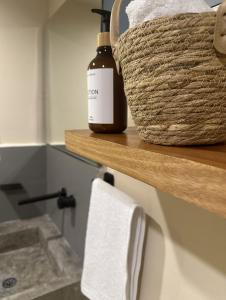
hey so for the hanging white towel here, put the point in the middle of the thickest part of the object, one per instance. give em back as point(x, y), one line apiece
point(114, 244)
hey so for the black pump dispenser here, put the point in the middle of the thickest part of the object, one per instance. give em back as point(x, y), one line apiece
point(105, 20)
point(107, 107)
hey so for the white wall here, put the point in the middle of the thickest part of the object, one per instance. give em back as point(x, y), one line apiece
point(54, 5)
point(34, 96)
point(71, 46)
point(184, 257)
point(21, 72)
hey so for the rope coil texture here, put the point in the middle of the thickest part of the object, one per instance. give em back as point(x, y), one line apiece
point(175, 80)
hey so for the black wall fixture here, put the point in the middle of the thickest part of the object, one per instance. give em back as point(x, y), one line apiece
point(63, 200)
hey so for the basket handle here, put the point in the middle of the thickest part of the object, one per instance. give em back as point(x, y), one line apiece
point(115, 31)
point(220, 29)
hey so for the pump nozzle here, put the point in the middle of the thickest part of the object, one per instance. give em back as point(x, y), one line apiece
point(105, 20)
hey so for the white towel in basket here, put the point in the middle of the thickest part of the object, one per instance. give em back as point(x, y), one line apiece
point(139, 11)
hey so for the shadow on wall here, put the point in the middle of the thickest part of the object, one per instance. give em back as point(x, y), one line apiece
point(27, 166)
point(199, 236)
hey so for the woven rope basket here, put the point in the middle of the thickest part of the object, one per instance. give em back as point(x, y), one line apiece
point(175, 79)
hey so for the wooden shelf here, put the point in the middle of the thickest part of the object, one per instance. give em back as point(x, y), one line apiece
point(194, 174)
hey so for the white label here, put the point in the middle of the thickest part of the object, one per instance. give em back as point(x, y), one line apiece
point(100, 96)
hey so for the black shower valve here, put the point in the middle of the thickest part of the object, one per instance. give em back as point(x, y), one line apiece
point(63, 200)
point(66, 202)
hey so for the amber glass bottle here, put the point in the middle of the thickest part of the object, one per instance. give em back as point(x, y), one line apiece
point(106, 96)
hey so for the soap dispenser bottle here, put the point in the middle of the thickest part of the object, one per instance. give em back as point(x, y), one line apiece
point(107, 106)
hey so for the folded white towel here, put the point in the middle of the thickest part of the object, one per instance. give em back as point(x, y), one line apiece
point(114, 244)
point(139, 11)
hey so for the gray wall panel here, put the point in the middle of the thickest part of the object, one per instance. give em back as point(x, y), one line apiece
point(124, 24)
point(214, 2)
point(76, 176)
point(25, 165)
point(44, 170)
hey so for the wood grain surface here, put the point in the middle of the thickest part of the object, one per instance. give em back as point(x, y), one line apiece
point(194, 174)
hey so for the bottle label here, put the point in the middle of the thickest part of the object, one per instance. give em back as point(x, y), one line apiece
point(100, 96)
